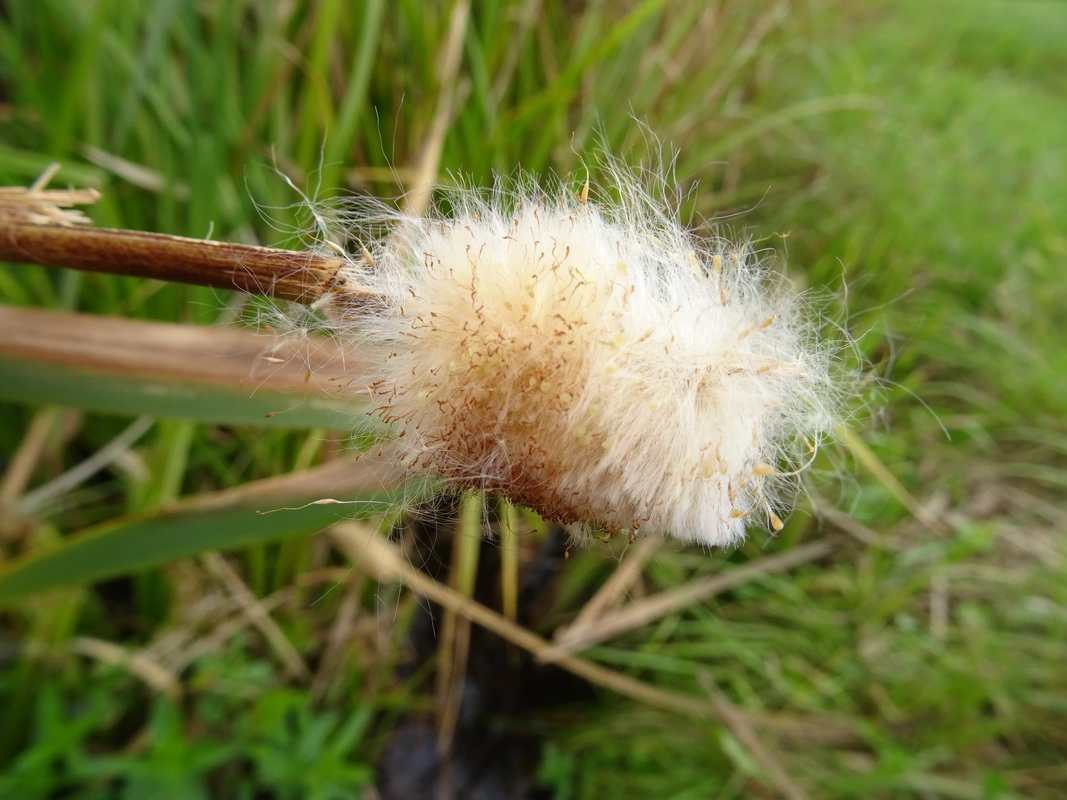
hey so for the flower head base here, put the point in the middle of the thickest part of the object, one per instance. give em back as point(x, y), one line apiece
point(598, 363)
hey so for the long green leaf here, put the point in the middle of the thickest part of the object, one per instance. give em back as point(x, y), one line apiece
point(137, 543)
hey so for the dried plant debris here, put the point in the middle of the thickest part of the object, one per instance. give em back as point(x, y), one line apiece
point(38, 205)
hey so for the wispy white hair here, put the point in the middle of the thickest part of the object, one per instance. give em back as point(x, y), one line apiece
point(590, 358)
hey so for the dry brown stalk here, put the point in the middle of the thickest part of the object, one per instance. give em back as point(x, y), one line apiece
point(38, 227)
point(173, 352)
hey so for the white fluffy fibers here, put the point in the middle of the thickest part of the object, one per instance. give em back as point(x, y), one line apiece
point(596, 362)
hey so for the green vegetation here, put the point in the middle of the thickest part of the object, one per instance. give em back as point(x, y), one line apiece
point(911, 153)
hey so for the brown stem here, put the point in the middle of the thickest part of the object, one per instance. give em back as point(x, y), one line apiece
point(34, 230)
point(285, 274)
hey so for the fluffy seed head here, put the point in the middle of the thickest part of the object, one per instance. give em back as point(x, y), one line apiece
point(595, 361)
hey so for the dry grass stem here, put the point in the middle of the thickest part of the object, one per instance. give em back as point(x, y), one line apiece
point(192, 645)
point(174, 352)
point(36, 500)
point(450, 89)
point(650, 609)
point(257, 614)
point(881, 472)
point(38, 227)
point(844, 522)
point(614, 589)
point(31, 448)
point(139, 664)
point(742, 729)
point(341, 634)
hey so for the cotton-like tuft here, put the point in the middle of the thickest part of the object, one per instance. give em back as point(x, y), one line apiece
point(593, 360)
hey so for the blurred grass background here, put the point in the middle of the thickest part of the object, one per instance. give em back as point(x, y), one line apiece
point(911, 158)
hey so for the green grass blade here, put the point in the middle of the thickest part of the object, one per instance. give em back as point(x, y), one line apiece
point(132, 544)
